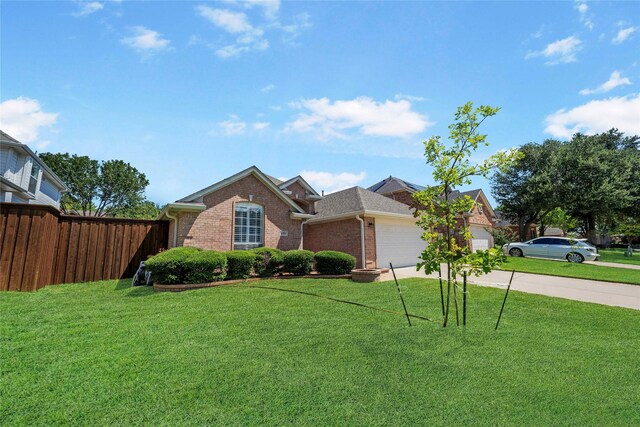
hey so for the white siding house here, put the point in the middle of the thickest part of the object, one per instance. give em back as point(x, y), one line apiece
point(24, 177)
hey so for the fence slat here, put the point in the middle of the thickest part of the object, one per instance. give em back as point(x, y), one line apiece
point(8, 244)
point(40, 247)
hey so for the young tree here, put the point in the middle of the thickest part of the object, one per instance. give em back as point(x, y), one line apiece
point(442, 216)
point(100, 188)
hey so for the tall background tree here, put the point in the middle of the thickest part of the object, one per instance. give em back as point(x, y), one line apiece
point(593, 179)
point(109, 188)
point(526, 191)
point(601, 179)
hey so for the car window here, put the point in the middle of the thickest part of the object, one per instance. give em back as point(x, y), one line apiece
point(560, 242)
point(542, 241)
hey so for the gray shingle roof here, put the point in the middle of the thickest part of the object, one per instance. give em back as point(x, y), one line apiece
point(8, 138)
point(275, 180)
point(471, 193)
point(358, 199)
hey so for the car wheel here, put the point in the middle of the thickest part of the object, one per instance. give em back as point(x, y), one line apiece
point(515, 252)
point(575, 257)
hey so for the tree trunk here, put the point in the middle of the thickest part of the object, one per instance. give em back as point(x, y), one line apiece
point(591, 228)
point(522, 230)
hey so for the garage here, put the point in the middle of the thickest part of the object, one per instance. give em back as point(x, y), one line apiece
point(398, 241)
point(482, 239)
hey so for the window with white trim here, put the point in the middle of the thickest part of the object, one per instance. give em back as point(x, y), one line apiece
point(248, 226)
point(33, 178)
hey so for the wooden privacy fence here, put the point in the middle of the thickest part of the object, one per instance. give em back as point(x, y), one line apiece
point(40, 246)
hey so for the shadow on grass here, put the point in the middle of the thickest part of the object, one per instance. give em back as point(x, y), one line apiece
point(123, 284)
point(134, 291)
point(141, 291)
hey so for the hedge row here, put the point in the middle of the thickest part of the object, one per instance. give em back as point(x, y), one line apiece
point(193, 265)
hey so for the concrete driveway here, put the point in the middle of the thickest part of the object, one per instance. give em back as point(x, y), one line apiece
point(613, 294)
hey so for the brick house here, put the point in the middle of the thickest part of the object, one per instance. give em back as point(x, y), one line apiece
point(480, 220)
point(251, 209)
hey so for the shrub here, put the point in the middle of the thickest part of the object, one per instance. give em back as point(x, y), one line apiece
point(298, 262)
point(268, 261)
point(168, 267)
point(334, 262)
point(239, 264)
point(205, 267)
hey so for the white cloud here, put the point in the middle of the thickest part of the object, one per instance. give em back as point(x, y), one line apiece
point(327, 119)
point(233, 126)
point(268, 88)
point(585, 18)
point(292, 31)
point(561, 51)
point(331, 182)
point(624, 34)
point(146, 41)
point(231, 50)
point(249, 36)
point(87, 8)
point(270, 7)
point(230, 21)
point(614, 81)
point(411, 98)
point(23, 117)
point(593, 117)
point(260, 125)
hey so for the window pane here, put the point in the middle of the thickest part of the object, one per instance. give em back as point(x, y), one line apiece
point(248, 224)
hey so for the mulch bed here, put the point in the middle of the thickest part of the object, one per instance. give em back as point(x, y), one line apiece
point(158, 287)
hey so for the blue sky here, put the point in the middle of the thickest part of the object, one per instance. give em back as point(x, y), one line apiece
point(340, 92)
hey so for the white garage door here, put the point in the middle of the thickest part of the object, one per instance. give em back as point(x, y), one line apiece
point(398, 242)
point(481, 238)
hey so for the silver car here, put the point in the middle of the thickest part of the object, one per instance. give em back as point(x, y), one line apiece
point(553, 247)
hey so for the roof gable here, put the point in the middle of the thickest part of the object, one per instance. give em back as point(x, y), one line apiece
point(300, 180)
point(253, 170)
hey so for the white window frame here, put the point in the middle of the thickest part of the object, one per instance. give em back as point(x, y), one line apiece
point(247, 237)
point(36, 167)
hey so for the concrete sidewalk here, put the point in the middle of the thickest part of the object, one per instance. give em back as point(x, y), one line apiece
point(613, 264)
point(613, 294)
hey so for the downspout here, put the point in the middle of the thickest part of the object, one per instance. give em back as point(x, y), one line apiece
point(175, 227)
point(364, 261)
point(302, 233)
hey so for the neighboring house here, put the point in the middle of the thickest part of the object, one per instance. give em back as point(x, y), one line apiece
point(480, 220)
point(501, 221)
point(251, 209)
point(24, 177)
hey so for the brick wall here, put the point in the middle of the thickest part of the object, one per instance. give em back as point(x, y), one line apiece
point(370, 243)
point(402, 197)
point(298, 194)
point(343, 236)
point(481, 218)
point(213, 227)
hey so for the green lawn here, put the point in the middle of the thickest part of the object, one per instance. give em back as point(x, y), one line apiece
point(617, 255)
point(106, 354)
point(568, 269)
